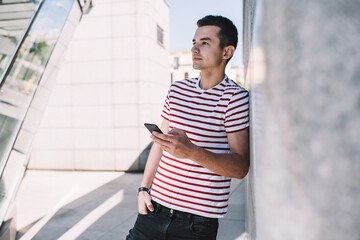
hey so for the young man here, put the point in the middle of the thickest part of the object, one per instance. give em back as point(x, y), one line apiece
point(205, 143)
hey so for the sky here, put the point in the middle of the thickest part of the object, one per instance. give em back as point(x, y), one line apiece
point(185, 13)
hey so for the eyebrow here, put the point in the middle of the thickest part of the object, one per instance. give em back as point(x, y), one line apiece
point(203, 39)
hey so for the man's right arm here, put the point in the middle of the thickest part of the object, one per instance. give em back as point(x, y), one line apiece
point(144, 199)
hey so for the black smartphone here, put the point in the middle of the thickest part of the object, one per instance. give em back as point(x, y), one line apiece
point(152, 127)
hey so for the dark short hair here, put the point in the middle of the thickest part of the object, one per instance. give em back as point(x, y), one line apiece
point(228, 33)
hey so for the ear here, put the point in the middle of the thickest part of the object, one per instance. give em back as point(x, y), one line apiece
point(228, 52)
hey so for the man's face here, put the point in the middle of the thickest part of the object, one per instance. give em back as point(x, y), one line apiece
point(206, 51)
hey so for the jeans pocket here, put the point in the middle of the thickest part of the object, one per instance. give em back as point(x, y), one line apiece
point(204, 228)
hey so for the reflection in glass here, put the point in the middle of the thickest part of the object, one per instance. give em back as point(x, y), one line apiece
point(30, 62)
point(15, 18)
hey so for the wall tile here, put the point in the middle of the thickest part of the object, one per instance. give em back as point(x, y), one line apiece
point(64, 76)
point(123, 7)
point(94, 138)
point(93, 116)
point(94, 28)
point(57, 117)
point(61, 96)
point(125, 70)
point(91, 49)
point(92, 72)
point(127, 138)
point(125, 159)
point(51, 159)
point(123, 26)
point(126, 116)
point(60, 138)
point(125, 93)
point(94, 160)
point(92, 94)
point(124, 48)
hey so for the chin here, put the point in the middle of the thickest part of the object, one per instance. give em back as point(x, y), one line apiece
point(196, 67)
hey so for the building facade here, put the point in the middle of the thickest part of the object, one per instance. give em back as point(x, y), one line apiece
point(114, 78)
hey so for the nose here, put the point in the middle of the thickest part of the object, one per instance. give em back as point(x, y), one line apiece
point(195, 49)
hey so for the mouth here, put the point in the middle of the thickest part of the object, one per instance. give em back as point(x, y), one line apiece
point(196, 58)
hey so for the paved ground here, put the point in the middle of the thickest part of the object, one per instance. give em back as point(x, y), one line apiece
point(95, 205)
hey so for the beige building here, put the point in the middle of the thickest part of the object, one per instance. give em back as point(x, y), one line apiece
point(114, 78)
point(181, 67)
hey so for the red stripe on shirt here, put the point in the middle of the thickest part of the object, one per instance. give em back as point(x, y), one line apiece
point(193, 190)
point(187, 201)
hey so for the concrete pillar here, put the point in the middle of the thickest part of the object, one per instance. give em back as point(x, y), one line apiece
point(307, 178)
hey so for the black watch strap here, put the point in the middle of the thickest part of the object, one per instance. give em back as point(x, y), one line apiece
point(141, 189)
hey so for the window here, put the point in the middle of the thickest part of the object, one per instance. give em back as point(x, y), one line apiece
point(176, 62)
point(160, 35)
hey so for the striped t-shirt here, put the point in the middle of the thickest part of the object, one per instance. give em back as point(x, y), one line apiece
point(206, 116)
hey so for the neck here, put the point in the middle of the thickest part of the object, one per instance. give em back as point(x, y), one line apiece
point(210, 79)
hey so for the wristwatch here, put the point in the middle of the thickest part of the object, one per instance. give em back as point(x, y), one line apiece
point(140, 189)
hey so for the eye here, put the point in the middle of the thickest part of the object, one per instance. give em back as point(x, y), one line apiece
point(205, 43)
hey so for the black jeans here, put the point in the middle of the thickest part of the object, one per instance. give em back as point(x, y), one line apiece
point(168, 224)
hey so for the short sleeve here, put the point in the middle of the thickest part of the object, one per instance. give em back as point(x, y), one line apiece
point(166, 107)
point(237, 112)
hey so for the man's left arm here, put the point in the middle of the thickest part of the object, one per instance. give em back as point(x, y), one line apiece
point(235, 164)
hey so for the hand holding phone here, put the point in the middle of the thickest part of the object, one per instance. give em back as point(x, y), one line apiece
point(153, 127)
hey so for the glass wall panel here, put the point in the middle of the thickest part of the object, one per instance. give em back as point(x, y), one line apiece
point(30, 62)
point(15, 18)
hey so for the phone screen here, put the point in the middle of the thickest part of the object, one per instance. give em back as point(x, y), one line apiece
point(152, 127)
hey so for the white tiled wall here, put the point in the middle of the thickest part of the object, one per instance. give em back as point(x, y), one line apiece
point(94, 28)
point(94, 138)
point(126, 70)
point(57, 117)
point(126, 48)
point(52, 159)
point(53, 139)
point(93, 116)
point(92, 72)
point(126, 115)
point(93, 94)
point(120, 155)
point(95, 159)
point(114, 78)
point(121, 22)
point(61, 96)
point(125, 93)
point(91, 49)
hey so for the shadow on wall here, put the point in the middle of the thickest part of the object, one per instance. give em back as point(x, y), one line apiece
point(140, 162)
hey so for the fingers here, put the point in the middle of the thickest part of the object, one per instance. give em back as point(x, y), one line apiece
point(163, 137)
point(176, 142)
point(142, 206)
point(165, 141)
point(176, 131)
point(144, 203)
point(143, 210)
point(150, 206)
point(171, 137)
